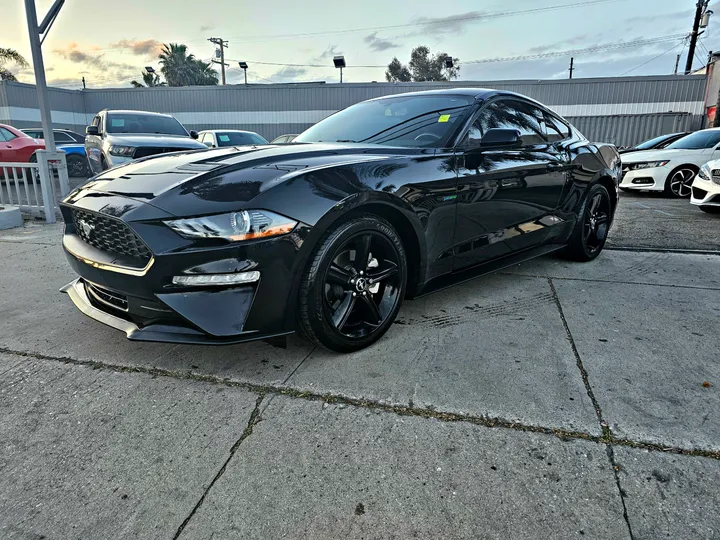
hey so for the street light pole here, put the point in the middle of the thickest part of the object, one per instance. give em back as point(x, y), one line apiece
point(39, 66)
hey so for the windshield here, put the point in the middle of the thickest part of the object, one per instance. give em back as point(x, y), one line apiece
point(652, 142)
point(144, 123)
point(233, 138)
point(695, 141)
point(418, 121)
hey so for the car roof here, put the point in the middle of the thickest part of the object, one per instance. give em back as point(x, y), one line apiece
point(226, 131)
point(477, 93)
point(126, 111)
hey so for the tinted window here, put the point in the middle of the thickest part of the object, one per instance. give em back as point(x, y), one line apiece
point(555, 130)
point(7, 135)
point(419, 121)
point(511, 114)
point(652, 142)
point(63, 137)
point(233, 138)
point(143, 123)
point(697, 140)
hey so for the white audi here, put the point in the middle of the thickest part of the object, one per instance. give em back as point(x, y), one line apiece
point(706, 188)
point(673, 168)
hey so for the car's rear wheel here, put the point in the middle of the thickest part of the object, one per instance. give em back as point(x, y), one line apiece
point(710, 209)
point(353, 286)
point(76, 166)
point(678, 183)
point(591, 229)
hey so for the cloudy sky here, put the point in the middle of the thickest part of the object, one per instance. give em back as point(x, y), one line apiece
point(109, 42)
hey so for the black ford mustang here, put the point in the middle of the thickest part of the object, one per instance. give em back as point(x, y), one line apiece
point(392, 197)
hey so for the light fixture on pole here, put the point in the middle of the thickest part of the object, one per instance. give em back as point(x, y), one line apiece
point(339, 62)
point(244, 67)
point(150, 69)
point(449, 62)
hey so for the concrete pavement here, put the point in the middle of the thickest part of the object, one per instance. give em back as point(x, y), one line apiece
point(554, 400)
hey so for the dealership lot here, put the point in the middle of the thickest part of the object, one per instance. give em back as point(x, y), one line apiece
point(555, 400)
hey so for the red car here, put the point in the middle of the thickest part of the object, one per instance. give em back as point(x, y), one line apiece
point(16, 147)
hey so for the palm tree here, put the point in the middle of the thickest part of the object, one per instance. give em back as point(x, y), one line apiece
point(150, 80)
point(178, 66)
point(206, 75)
point(10, 55)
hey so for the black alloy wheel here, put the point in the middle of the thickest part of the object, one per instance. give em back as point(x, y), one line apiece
point(76, 166)
point(591, 230)
point(679, 182)
point(354, 285)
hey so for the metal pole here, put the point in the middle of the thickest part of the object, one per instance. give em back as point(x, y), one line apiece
point(40, 83)
point(84, 83)
point(245, 72)
point(693, 36)
point(572, 63)
point(341, 75)
point(677, 64)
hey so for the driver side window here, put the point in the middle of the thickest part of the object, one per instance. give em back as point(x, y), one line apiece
point(508, 114)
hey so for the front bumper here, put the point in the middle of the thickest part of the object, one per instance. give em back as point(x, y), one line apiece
point(705, 193)
point(78, 293)
point(145, 304)
point(646, 179)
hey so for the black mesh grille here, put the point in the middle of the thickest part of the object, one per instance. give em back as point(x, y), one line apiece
point(145, 151)
point(109, 235)
point(716, 176)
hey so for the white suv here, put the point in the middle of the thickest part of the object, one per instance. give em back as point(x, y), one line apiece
point(116, 137)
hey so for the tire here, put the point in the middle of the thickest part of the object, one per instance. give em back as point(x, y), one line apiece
point(591, 229)
point(335, 300)
point(76, 166)
point(678, 182)
point(710, 209)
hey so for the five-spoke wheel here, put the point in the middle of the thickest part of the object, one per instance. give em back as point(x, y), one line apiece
point(679, 182)
point(354, 284)
point(590, 233)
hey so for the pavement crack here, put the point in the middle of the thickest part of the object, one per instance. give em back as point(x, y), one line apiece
point(298, 366)
point(254, 418)
point(583, 372)
point(402, 410)
point(621, 491)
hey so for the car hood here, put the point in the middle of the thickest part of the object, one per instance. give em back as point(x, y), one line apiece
point(228, 179)
point(660, 155)
point(175, 141)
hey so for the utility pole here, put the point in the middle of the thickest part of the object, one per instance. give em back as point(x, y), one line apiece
point(677, 64)
point(701, 7)
point(572, 68)
point(222, 44)
point(84, 87)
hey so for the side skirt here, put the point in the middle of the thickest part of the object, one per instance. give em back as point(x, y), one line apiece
point(455, 278)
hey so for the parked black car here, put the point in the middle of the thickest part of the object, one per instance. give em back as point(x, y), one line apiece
point(656, 143)
point(392, 197)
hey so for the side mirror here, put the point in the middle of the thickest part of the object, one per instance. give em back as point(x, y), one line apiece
point(193, 134)
point(208, 144)
point(500, 137)
point(92, 130)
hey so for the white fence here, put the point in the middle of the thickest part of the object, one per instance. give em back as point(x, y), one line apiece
point(31, 186)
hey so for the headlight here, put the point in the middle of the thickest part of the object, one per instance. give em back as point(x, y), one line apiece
point(705, 173)
point(647, 165)
point(125, 151)
point(244, 225)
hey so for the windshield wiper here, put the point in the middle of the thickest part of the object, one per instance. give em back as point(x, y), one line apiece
point(345, 140)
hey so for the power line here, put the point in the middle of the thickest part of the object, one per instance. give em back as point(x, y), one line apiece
point(653, 59)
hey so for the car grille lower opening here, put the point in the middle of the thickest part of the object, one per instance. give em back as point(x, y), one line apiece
point(699, 193)
point(110, 235)
point(107, 297)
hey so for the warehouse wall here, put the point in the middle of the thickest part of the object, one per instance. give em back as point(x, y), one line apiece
point(619, 110)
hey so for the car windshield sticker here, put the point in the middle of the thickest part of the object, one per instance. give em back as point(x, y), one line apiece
point(117, 122)
point(444, 118)
point(224, 138)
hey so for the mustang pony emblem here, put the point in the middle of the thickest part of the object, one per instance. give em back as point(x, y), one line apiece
point(86, 227)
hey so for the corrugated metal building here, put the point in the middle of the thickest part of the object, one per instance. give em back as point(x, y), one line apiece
point(623, 111)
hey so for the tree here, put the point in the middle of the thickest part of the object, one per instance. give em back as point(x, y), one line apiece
point(10, 55)
point(150, 80)
point(183, 69)
point(422, 67)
